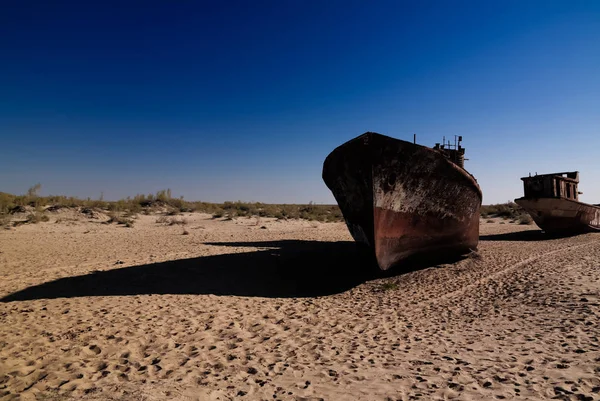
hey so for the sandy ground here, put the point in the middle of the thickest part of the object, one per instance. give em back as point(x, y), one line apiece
point(265, 310)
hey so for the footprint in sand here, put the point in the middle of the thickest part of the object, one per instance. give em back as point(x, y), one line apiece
point(95, 349)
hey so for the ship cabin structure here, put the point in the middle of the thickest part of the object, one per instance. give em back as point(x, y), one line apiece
point(454, 152)
point(554, 185)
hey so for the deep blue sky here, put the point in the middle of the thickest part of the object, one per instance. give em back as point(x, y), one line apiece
point(228, 100)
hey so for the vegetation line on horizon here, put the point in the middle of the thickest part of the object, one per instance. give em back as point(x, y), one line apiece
point(162, 202)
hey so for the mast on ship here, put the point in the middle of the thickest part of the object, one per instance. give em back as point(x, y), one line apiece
point(455, 152)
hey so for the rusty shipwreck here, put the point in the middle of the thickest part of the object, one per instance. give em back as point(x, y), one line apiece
point(552, 200)
point(404, 200)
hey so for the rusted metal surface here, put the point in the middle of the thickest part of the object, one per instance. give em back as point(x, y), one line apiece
point(552, 200)
point(403, 199)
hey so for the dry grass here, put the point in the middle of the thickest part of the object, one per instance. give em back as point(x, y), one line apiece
point(120, 218)
point(176, 221)
point(171, 221)
point(508, 211)
point(163, 202)
point(37, 217)
point(5, 221)
point(525, 219)
point(162, 220)
point(122, 211)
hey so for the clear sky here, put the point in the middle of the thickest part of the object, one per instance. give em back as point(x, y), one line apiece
point(243, 100)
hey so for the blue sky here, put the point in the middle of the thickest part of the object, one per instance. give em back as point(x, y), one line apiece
point(229, 100)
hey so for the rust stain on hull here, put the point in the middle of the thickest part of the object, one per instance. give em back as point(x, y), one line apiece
point(403, 199)
point(401, 235)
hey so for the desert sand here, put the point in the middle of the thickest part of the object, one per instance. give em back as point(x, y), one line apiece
point(251, 309)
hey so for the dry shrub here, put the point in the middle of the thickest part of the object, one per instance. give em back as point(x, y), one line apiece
point(173, 221)
point(163, 220)
point(5, 220)
point(504, 210)
point(525, 219)
point(37, 217)
point(119, 219)
point(152, 203)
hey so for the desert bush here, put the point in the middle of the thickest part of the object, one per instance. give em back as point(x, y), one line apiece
point(163, 195)
point(171, 221)
point(508, 210)
point(36, 217)
point(7, 202)
point(97, 204)
point(5, 220)
point(162, 220)
point(174, 221)
point(525, 219)
point(33, 191)
point(116, 217)
point(147, 204)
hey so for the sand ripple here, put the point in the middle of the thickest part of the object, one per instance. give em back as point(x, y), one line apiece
point(517, 320)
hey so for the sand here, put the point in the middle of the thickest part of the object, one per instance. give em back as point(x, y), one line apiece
point(251, 309)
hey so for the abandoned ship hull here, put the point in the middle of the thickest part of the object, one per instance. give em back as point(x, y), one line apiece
point(556, 215)
point(403, 199)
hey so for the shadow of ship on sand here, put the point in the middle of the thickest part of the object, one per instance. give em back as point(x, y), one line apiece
point(527, 235)
point(288, 268)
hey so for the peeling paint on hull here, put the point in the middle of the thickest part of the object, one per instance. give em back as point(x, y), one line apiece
point(403, 199)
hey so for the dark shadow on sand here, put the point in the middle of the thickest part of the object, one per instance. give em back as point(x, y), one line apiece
point(529, 235)
point(290, 268)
